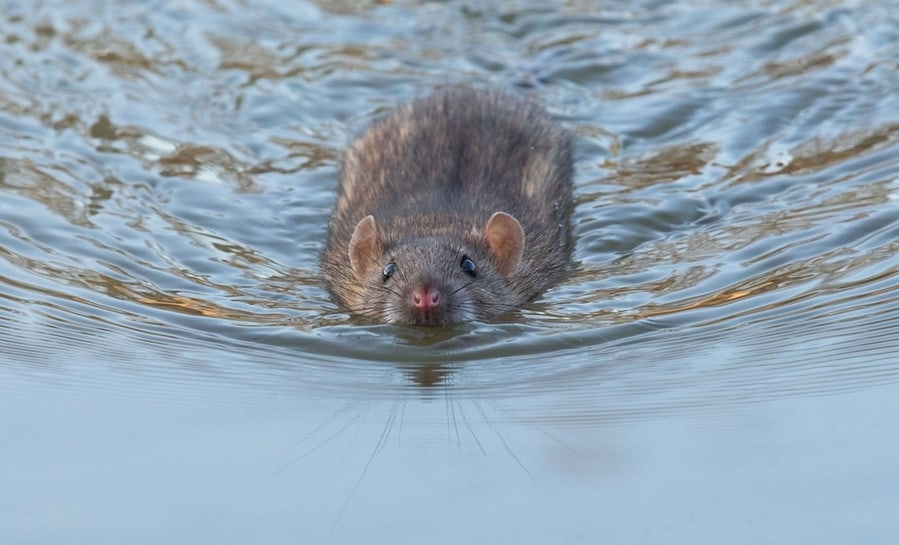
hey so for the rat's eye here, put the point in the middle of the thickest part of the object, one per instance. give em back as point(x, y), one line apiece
point(389, 269)
point(468, 266)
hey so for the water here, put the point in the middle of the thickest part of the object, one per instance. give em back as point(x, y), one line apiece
point(721, 365)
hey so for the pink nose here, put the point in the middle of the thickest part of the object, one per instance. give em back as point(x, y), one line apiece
point(425, 298)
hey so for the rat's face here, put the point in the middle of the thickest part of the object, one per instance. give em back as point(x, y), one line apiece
point(431, 281)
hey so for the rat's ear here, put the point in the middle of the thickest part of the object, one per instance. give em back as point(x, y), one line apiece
point(505, 237)
point(364, 248)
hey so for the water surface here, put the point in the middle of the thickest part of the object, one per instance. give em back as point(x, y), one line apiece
point(720, 366)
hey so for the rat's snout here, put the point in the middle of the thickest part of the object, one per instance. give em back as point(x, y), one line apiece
point(425, 298)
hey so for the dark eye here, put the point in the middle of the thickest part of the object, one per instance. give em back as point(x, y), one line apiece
point(468, 266)
point(389, 269)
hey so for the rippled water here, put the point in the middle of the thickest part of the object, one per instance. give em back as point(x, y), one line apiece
point(722, 364)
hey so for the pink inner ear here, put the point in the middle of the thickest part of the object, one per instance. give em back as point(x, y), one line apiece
point(505, 237)
point(364, 248)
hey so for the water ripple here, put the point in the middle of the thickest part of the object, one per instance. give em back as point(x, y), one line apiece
point(736, 199)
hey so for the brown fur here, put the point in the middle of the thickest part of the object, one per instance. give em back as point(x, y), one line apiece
point(432, 174)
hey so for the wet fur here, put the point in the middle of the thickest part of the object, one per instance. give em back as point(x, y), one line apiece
point(432, 173)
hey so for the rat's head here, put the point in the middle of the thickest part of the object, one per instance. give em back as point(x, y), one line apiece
point(434, 280)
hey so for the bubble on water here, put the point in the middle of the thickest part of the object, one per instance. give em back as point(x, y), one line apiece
point(777, 161)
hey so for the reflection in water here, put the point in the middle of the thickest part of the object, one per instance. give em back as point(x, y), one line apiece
point(166, 175)
point(428, 375)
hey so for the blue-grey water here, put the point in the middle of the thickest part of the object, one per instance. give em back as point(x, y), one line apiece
point(721, 365)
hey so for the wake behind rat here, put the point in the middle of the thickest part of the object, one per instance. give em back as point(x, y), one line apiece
point(455, 207)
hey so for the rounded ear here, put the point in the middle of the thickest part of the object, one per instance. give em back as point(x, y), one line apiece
point(364, 248)
point(505, 238)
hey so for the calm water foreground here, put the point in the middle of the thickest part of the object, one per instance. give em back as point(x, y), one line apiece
point(722, 366)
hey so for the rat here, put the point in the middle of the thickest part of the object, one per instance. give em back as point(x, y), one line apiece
point(455, 207)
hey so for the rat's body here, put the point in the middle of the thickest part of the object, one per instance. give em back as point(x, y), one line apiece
point(454, 207)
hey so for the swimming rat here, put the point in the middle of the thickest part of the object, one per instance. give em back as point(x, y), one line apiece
point(456, 206)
